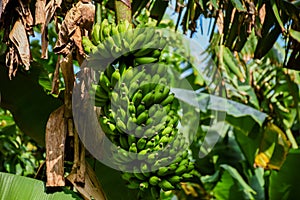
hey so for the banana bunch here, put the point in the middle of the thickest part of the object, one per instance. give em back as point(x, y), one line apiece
point(110, 41)
point(140, 115)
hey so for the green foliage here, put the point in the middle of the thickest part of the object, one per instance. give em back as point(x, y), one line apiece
point(18, 187)
point(284, 183)
point(18, 153)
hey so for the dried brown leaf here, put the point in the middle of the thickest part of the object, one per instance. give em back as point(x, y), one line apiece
point(26, 17)
point(78, 19)
point(11, 58)
point(50, 10)
point(262, 13)
point(17, 16)
point(20, 41)
point(3, 5)
point(40, 12)
point(220, 21)
point(76, 37)
point(55, 147)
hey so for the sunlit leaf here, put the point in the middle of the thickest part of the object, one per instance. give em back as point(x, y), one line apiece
point(276, 13)
point(295, 34)
point(273, 149)
point(18, 187)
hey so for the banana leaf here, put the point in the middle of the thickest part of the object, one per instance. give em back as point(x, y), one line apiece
point(27, 100)
point(211, 102)
point(19, 187)
point(284, 184)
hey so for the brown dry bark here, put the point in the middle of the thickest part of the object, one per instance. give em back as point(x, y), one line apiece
point(56, 130)
point(91, 188)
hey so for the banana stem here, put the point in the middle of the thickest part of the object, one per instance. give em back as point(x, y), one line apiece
point(291, 138)
point(123, 10)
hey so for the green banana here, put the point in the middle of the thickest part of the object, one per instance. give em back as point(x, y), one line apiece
point(167, 100)
point(142, 155)
point(166, 185)
point(145, 60)
point(127, 176)
point(131, 139)
point(144, 169)
point(167, 130)
point(139, 131)
point(137, 42)
point(138, 75)
point(124, 142)
point(133, 88)
point(120, 125)
point(154, 180)
point(109, 70)
point(187, 176)
point(144, 185)
point(163, 171)
point(96, 34)
point(138, 175)
point(104, 82)
point(141, 108)
point(103, 25)
point(143, 52)
point(111, 126)
point(180, 170)
point(184, 162)
point(156, 53)
point(137, 98)
point(151, 143)
point(131, 108)
point(190, 166)
point(148, 99)
point(155, 79)
point(150, 133)
point(133, 148)
point(159, 94)
point(88, 45)
point(103, 123)
point(131, 125)
point(174, 179)
point(125, 45)
point(165, 139)
point(133, 185)
point(141, 143)
point(152, 157)
point(115, 77)
point(142, 117)
point(173, 166)
point(100, 93)
point(106, 31)
point(116, 35)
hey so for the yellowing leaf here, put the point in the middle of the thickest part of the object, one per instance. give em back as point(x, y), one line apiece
point(295, 34)
point(273, 148)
